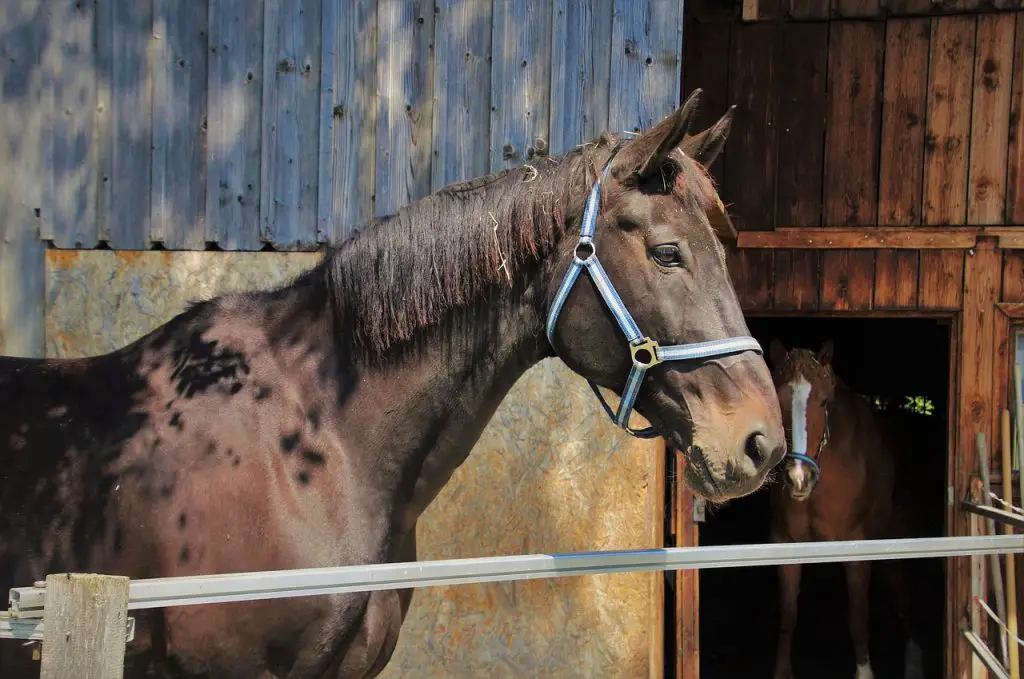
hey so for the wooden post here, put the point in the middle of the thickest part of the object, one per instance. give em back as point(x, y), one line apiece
point(1011, 585)
point(85, 624)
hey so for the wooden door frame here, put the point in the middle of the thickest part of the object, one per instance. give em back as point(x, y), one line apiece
point(687, 595)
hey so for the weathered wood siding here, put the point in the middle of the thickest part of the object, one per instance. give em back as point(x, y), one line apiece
point(902, 122)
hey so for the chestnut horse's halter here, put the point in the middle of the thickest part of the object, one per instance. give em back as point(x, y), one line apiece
point(646, 353)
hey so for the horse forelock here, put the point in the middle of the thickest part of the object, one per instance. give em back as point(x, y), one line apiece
point(802, 364)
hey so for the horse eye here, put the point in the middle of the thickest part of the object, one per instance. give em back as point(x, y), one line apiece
point(668, 255)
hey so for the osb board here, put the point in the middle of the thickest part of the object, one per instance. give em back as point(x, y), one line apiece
point(550, 474)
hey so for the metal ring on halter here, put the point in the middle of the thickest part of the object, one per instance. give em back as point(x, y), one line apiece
point(644, 351)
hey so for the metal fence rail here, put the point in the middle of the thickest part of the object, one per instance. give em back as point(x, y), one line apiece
point(205, 589)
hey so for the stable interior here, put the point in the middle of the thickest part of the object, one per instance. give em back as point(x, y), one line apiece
point(895, 360)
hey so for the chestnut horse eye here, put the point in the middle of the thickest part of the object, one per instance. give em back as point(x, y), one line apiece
point(668, 255)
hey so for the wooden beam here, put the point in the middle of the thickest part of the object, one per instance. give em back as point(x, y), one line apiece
point(871, 237)
point(85, 621)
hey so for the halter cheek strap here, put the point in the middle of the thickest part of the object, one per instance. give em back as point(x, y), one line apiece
point(645, 352)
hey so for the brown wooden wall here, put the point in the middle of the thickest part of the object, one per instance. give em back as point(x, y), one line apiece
point(901, 122)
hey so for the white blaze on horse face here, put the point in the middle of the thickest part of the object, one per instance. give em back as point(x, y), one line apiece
point(801, 393)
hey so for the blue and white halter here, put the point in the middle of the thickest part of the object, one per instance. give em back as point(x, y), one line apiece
point(646, 352)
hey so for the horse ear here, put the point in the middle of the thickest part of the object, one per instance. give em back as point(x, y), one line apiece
point(646, 154)
point(777, 352)
point(825, 352)
point(705, 146)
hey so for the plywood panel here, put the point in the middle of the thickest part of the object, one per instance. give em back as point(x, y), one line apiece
point(551, 473)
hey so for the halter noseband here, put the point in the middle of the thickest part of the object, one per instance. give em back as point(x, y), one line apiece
point(645, 352)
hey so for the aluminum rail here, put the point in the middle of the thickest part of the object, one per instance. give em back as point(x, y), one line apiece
point(31, 629)
point(997, 515)
point(985, 655)
point(206, 589)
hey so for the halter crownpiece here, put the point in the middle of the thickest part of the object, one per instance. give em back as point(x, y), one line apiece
point(645, 352)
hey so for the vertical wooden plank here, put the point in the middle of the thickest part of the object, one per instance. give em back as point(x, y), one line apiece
point(289, 159)
point(646, 67)
point(750, 173)
point(809, 9)
point(234, 127)
point(350, 34)
point(803, 62)
point(68, 209)
point(851, 160)
point(179, 124)
point(706, 66)
point(981, 288)
point(580, 72)
point(944, 195)
point(405, 76)
point(124, 111)
point(990, 119)
point(520, 88)
point(687, 587)
point(87, 616)
point(856, 9)
point(1015, 160)
point(25, 26)
point(901, 161)
point(462, 86)
point(1013, 276)
point(949, 111)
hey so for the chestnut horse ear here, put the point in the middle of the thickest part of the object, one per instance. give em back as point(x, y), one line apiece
point(646, 154)
point(705, 146)
point(825, 352)
point(777, 352)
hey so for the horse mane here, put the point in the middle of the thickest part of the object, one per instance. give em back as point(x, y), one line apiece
point(406, 271)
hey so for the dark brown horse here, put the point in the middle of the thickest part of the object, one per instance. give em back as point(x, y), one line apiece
point(839, 481)
point(312, 425)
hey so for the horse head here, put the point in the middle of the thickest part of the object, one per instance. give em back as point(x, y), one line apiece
point(642, 303)
point(806, 384)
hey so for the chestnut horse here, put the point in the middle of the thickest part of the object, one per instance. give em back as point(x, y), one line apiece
point(312, 425)
point(839, 482)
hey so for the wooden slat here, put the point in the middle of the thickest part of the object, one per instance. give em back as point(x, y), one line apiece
point(180, 45)
point(68, 209)
point(687, 601)
point(349, 162)
point(941, 279)
point(944, 196)
point(749, 185)
point(1013, 277)
point(949, 113)
point(405, 110)
point(901, 161)
point(800, 128)
point(124, 121)
point(707, 12)
point(1015, 160)
point(856, 9)
point(851, 160)
point(291, 101)
point(520, 73)
point(909, 7)
point(646, 66)
point(809, 9)
point(706, 66)
point(990, 119)
point(462, 73)
point(580, 72)
point(234, 124)
point(981, 287)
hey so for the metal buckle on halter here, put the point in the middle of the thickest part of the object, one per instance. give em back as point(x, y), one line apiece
point(650, 347)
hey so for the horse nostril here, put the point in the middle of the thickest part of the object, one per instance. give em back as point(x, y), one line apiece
point(757, 449)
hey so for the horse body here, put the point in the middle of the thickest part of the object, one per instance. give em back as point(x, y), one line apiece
point(843, 492)
point(310, 426)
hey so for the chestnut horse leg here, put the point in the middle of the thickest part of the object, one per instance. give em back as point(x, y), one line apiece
point(789, 593)
point(858, 582)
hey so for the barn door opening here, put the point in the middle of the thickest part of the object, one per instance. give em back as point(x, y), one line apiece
point(730, 628)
